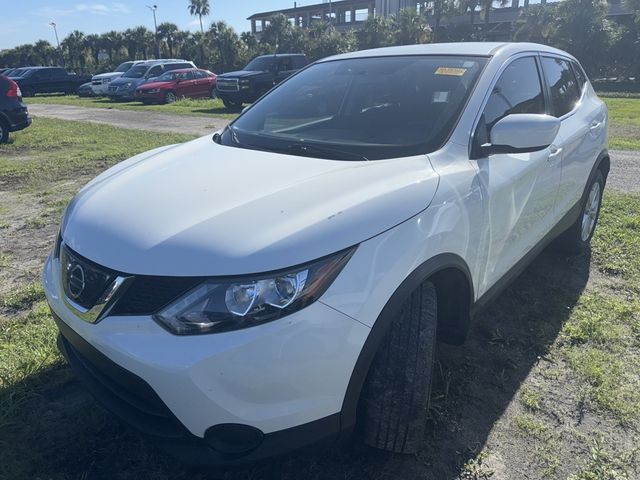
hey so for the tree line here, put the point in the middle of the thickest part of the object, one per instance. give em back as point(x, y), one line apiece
point(581, 27)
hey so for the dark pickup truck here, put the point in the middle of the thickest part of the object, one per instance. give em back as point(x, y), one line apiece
point(258, 77)
point(49, 80)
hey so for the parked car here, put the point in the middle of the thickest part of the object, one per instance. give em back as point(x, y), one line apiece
point(16, 72)
point(85, 90)
point(170, 86)
point(100, 83)
point(253, 292)
point(48, 80)
point(14, 115)
point(257, 78)
point(124, 87)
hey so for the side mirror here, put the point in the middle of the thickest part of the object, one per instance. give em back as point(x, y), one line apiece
point(521, 133)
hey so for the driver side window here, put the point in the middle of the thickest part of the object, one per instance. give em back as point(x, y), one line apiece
point(518, 90)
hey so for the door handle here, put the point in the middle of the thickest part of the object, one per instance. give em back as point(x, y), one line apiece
point(555, 153)
point(595, 125)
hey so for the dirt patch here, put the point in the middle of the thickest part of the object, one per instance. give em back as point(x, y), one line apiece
point(152, 121)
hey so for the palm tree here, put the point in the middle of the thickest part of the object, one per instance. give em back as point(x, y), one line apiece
point(411, 27)
point(75, 44)
point(199, 8)
point(167, 33)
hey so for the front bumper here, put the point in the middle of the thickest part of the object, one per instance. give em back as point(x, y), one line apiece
point(285, 380)
point(121, 93)
point(100, 89)
point(144, 96)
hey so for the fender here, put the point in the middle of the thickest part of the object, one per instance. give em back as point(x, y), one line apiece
point(383, 323)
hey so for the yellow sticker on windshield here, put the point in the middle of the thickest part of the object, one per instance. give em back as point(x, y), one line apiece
point(455, 72)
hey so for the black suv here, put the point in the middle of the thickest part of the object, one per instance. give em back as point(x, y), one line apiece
point(257, 78)
point(49, 80)
point(13, 113)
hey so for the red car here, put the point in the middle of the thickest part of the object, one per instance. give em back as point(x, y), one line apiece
point(175, 84)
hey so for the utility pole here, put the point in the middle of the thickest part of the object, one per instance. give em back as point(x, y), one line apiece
point(153, 9)
point(55, 30)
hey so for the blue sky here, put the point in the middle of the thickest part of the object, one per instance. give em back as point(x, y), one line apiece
point(27, 21)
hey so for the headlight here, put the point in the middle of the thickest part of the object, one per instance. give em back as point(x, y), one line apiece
point(245, 81)
point(128, 84)
point(152, 90)
point(219, 305)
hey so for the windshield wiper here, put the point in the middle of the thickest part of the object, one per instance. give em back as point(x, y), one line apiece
point(320, 151)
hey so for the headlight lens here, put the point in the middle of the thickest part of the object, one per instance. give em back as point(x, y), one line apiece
point(153, 90)
point(219, 305)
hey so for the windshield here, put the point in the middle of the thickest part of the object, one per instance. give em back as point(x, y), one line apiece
point(260, 64)
point(136, 72)
point(123, 67)
point(367, 108)
point(19, 72)
point(170, 76)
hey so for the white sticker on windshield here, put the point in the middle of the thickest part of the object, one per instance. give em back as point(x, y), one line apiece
point(440, 97)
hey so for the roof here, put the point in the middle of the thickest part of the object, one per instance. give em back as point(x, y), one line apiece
point(458, 48)
point(280, 55)
point(307, 8)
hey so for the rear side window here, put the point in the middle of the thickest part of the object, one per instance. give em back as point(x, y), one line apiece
point(155, 71)
point(563, 84)
point(580, 75)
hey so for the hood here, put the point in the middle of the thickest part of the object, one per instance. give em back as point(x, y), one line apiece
point(111, 75)
point(202, 209)
point(148, 86)
point(242, 74)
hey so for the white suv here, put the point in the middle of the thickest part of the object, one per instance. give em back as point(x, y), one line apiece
point(240, 296)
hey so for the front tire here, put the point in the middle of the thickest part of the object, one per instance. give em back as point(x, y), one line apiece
point(577, 238)
point(4, 131)
point(397, 392)
point(170, 97)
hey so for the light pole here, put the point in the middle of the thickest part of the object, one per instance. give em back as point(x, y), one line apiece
point(55, 30)
point(153, 9)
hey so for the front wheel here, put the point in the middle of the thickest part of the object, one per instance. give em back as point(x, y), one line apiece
point(230, 105)
point(577, 238)
point(169, 97)
point(395, 399)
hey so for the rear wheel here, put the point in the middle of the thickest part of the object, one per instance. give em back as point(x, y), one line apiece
point(396, 395)
point(577, 238)
point(4, 131)
point(169, 97)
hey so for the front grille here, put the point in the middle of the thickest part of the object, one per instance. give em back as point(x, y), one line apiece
point(112, 89)
point(83, 281)
point(148, 294)
point(228, 85)
point(96, 82)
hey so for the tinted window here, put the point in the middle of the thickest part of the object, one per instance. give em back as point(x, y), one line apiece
point(285, 64)
point(123, 67)
point(372, 108)
point(174, 66)
point(155, 71)
point(518, 90)
point(580, 76)
point(564, 87)
point(260, 64)
point(200, 74)
point(299, 62)
point(58, 73)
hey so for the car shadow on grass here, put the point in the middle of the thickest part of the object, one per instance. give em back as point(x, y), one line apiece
point(59, 432)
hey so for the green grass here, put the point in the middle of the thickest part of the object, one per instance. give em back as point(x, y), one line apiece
point(52, 149)
point(200, 107)
point(624, 118)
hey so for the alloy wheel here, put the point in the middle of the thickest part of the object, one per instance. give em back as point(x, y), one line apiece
point(590, 213)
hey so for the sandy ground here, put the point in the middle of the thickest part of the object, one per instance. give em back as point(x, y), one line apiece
point(625, 165)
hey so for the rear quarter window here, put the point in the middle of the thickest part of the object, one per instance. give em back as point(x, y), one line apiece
point(562, 83)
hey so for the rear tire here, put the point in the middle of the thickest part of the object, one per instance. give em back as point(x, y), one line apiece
point(577, 238)
point(396, 395)
point(4, 131)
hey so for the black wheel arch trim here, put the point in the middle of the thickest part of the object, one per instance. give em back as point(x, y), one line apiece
point(422, 273)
